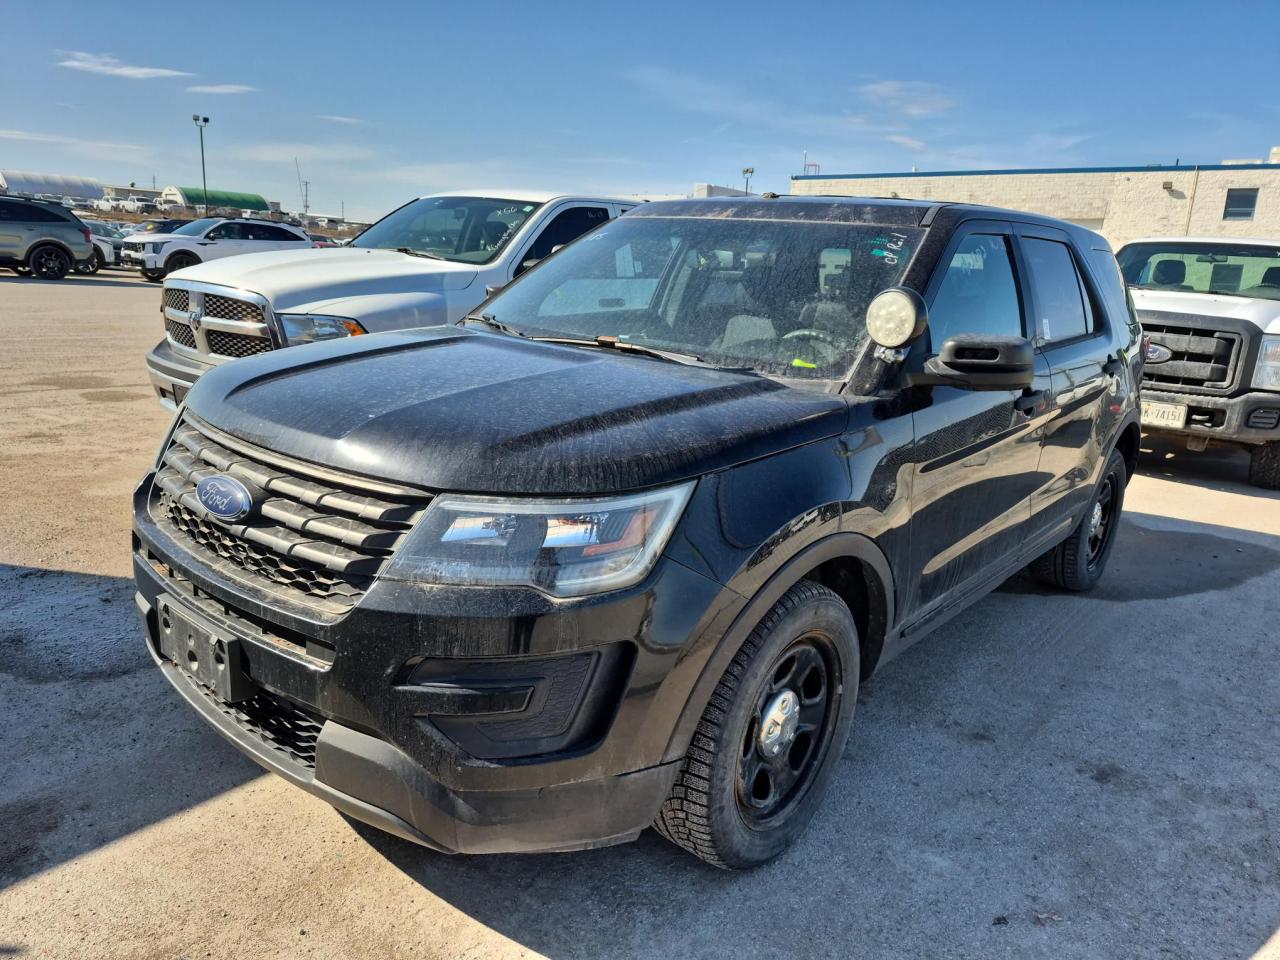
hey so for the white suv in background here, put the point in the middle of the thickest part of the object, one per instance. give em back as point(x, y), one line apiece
point(429, 262)
point(210, 238)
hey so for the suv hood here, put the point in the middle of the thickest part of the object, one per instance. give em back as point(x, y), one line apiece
point(1263, 314)
point(449, 408)
point(293, 278)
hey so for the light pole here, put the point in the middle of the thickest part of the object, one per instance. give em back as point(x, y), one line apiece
point(746, 178)
point(201, 123)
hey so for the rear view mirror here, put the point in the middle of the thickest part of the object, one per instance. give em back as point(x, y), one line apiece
point(980, 362)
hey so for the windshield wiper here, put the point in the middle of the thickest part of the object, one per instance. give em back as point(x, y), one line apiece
point(493, 323)
point(420, 253)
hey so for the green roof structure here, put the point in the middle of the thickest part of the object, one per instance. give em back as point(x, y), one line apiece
point(194, 197)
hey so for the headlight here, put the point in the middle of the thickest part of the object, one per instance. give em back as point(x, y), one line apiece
point(308, 328)
point(1266, 375)
point(155, 247)
point(565, 548)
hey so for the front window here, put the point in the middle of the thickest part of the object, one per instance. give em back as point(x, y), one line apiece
point(1234, 269)
point(195, 228)
point(465, 229)
point(784, 298)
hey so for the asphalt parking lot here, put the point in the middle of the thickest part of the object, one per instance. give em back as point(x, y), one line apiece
point(1047, 776)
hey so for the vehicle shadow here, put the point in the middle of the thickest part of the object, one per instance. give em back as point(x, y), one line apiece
point(1217, 468)
point(93, 743)
point(1039, 777)
point(91, 281)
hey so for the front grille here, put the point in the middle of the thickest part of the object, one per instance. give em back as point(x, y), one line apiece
point(311, 540)
point(283, 726)
point(225, 308)
point(177, 298)
point(235, 344)
point(180, 333)
point(1204, 360)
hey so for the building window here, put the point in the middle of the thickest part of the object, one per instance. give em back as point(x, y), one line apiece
point(1240, 204)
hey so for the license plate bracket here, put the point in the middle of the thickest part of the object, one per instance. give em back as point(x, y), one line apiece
point(198, 649)
point(1157, 414)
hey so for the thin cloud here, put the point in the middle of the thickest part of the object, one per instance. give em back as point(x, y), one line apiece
point(338, 118)
point(97, 148)
point(221, 88)
point(902, 140)
point(109, 66)
point(912, 98)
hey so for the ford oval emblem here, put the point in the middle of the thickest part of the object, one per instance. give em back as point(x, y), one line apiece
point(225, 497)
point(1158, 353)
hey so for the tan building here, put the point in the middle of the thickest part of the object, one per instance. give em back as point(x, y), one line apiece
point(1235, 198)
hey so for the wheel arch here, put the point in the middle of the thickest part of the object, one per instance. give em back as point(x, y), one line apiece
point(850, 564)
point(26, 260)
point(168, 260)
point(1128, 443)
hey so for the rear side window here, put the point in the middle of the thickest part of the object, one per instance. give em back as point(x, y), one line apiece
point(33, 213)
point(978, 293)
point(1062, 307)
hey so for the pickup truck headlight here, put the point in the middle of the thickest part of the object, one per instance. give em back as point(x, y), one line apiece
point(308, 328)
point(565, 548)
point(1266, 375)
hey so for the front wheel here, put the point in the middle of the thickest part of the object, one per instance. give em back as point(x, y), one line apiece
point(1078, 561)
point(153, 276)
point(1264, 466)
point(771, 736)
point(180, 261)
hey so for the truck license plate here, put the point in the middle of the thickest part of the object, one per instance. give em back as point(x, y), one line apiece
point(1164, 414)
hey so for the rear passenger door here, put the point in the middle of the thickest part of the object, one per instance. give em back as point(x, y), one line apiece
point(977, 452)
point(565, 226)
point(1070, 329)
point(224, 240)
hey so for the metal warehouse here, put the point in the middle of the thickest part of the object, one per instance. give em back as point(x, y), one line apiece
point(1233, 198)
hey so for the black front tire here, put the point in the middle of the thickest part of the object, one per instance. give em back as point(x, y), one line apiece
point(711, 811)
point(180, 261)
point(92, 265)
point(153, 276)
point(1077, 563)
point(1264, 466)
point(49, 262)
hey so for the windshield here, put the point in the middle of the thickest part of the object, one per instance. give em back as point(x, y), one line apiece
point(465, 229)
point(1234, 269)
point(196, 228)
point(785, 298)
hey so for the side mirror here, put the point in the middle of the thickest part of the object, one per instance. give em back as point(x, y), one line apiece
point(493, 288)
point(980, 362)
point(527, 264)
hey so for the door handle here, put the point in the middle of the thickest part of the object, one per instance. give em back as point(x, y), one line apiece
point(1033, 401)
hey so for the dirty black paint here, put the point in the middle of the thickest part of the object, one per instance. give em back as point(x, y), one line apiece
point(938, 493)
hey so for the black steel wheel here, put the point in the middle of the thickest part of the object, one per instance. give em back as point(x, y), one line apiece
point(1077, 562)
point(49, 262)
point(770, 736)
point(789, 731)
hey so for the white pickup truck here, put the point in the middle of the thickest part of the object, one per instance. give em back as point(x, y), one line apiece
point(426, 263)
point(1211, 310)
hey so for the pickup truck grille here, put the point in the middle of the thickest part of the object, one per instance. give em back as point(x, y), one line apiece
point(226, 308)
point(180, 333)
point(311, 540)
point(236, 344)
point(1205, 360)
point(177, 298)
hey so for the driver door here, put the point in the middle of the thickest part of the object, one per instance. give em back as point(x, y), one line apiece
point(977, 452)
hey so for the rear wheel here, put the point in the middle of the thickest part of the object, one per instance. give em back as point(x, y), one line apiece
point(1264, 466)
point(49, 262)
point(1078, 562)
point(771, 736)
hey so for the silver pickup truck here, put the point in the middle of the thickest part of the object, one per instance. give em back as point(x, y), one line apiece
point(1211, 310)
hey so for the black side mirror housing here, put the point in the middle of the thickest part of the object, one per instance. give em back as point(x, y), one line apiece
point(980, 362)
point(492, 288)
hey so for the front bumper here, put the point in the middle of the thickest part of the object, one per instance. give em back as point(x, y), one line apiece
point(172, 374)
point(1242, 419)
point(141, 261)
point(382, 761)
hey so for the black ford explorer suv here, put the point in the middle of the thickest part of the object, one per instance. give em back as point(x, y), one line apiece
point(618, 550)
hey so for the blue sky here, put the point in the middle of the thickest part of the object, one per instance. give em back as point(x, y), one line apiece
point(383, 101)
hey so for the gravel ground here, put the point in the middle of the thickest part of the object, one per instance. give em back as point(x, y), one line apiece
point(1047, 776)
